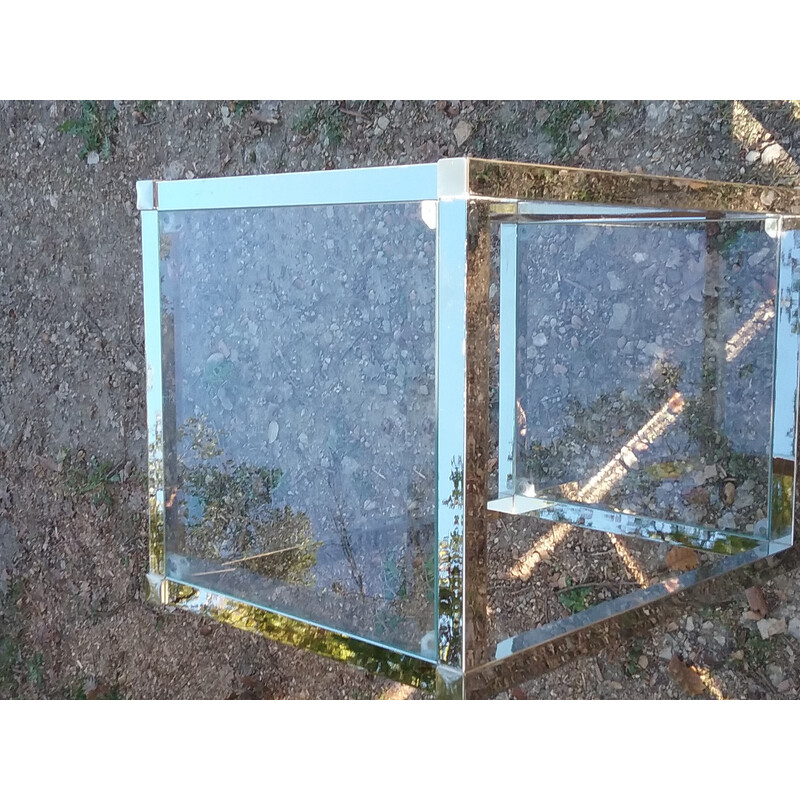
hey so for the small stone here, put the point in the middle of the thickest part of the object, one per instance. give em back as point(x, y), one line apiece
point(615, 282)
point(577, 322)
point(130, 366)
point(615, 685)
point(727, 522)
point(93, 158)
point(383, 389)
point(728, 493)
point(383, 123)
point(752, 157)
point(559, 369)
point(639, 258)
point(784, 686)
point(643, 662)
point(272, 432)
point(794, 628)
point(771, 627)
point(689, 624)
point(757, 257)
point(666, 654)
point(224, 399)
point(540, 340)
point(628, 457)
point(462, 132)
point(303, 439)
point(619, 315)
point(771, 154)
point(775, 674)
point(738, 655)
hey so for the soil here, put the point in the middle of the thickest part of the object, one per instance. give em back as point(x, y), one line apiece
point(73, 445)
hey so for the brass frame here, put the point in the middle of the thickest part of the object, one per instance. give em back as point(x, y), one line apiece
point(469, 194)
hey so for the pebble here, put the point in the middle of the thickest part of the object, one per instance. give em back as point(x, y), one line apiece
point(272, 432)
point(462, 132)
point(771, 154)
point(643, 662)
point(615, 282)
point(130, 366)
point(689, 624)
point(619, 315)
point(93, 158)
point(793, 628)
point(540, 340)
point(383, 123)
point(771, 627)
point(752, 157)
point(775, 674)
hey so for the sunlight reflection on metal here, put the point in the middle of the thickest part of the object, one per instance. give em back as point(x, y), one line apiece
point(760, 320)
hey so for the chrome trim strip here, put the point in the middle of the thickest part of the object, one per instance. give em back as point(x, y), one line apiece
point(507, 372)
point(282, 628)
point(505, 180)
point(151, 289)
point(598, 519)
point(532, 653)
point(145, 199)
point(333, 187)
point(783, 466)
point(451, 405)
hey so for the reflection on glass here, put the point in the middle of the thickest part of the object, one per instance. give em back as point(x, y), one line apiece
point(300, 412)
point(645, 359)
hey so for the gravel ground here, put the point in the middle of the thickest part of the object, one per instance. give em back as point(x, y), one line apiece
point(72, 404)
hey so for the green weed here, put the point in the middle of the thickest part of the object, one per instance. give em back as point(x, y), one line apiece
point(563, 114)
point(574, 600)
point(94, 127)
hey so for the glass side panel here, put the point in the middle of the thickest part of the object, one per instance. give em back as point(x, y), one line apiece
point(645, 356)
point(299, 412)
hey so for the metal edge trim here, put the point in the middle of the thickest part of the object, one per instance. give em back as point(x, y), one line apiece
point(540, 650)
point(395, 184)
point(288, 630)
point(514, 180)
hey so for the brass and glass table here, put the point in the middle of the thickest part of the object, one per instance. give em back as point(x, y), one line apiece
point(350, 372)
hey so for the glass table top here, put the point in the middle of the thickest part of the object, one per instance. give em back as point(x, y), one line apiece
point(645, 367)
point(299, 412)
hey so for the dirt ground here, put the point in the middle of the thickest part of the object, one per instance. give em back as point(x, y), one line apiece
point(73, 543)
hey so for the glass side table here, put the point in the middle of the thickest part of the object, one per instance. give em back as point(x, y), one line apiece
point(350, 372)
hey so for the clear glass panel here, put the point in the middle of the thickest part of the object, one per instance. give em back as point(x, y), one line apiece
point(300, 412)
point(645, 355)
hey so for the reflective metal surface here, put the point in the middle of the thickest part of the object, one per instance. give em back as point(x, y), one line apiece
point(783, 473)
point(505, 180)
point(535, 652)
point(281, 628)
point(452, 657)
point(151, 278)
point(451, 405)
point(329, 187)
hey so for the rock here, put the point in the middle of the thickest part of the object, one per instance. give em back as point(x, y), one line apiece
point(93, 158)
point(584, 237)
point(771, 154)
point(540, 340)
point(689, 624)
point(752, 157)
point(383, 123)
point(794, 628)
point(727, 521)
point(619, 316)
point(771, 627)
point(758, 257)
point(775, 674)
point(728, 493)
point(272, 432)
point(757, 601)
point(643, 662)
point(657, 114)
point(462, 132)
point(131, 366)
